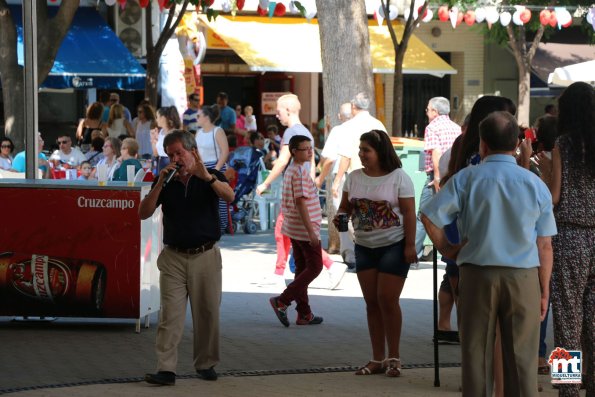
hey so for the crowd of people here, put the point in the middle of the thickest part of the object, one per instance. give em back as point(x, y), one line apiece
point(509, 209)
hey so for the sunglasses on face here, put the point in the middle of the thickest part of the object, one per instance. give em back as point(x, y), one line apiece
point(6, 147)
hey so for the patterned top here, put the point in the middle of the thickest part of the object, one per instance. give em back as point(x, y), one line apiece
point(377, 218)
point(577, 193)
point(440, 133)
point(297, 183)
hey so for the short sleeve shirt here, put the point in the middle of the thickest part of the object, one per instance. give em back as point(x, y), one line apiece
point(297, 183)
point(440, 133)
point(500, 208)
point(227, 118)
point(377, 218)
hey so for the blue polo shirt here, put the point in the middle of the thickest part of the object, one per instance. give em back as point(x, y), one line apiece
point(500, 208)
point(227, 118)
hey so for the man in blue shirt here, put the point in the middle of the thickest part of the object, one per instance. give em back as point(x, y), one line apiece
point(505, 219)
point(227, 116)
point(19, 164)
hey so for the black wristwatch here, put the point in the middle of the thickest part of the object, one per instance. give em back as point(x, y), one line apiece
point(213, 180)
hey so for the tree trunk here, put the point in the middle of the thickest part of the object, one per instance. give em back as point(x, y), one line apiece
point(152, 80)
point(345, 49)
point(398, 95)
point(400, 50)
point(50, 32)
point(346, 66)
point(524, 105)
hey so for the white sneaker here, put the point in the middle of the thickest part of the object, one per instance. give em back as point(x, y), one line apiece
point(335, 274)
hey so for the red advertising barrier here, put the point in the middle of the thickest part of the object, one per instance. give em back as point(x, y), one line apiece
point(71, 252)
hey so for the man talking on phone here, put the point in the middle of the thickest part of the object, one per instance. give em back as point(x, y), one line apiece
point(190, 263)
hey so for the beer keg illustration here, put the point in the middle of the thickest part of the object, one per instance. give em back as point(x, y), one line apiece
point(68, 283)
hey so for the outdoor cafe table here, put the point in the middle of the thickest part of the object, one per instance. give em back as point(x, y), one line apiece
point(75, 249)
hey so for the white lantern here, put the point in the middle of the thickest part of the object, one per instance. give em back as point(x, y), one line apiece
point(480, 14)
point(226, 6)
point(492, 15)
point(453, 15)
point(505, 18)
point(264, 4)
point(563, 16)
point(110, 2)
point(429, 16)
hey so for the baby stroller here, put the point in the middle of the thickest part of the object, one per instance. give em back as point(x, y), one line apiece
point(247, 161)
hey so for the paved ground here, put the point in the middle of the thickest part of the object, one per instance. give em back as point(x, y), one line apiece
point(87, 353)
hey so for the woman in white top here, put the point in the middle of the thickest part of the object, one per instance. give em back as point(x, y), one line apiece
point(211, 140)
point(380, 200)
point(145, 122)
point(111, 152)
point(168, 119)
point(6, 149)
point(117, 124)
point(213, 149)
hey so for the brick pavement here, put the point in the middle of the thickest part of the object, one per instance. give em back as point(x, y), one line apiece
point(81, 350)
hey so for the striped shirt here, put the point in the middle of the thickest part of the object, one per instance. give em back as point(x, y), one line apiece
point(297, 183)
point(439, 134)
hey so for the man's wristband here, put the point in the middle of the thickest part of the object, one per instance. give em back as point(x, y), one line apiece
point(213, 180)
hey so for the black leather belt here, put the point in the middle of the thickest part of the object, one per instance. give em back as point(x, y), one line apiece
point(194, 251)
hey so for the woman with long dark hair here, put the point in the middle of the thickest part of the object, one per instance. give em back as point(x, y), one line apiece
point(570, 176)
point(168, 119)
point(380, 200)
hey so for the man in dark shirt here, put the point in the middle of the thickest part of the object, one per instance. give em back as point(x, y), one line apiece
point(190, 263)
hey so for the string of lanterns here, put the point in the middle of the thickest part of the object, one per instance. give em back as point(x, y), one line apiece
point(519, 15)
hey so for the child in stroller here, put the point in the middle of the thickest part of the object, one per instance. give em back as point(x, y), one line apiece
point(247, 161)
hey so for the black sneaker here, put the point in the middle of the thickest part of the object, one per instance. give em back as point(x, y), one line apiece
point(310, 319)
point(163, 378)
point(207, 374)
point(280, 310)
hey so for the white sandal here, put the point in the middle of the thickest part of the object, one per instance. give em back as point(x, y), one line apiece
point(393, 368)
point(371, 370)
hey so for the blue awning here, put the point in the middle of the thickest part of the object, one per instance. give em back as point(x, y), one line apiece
point(90, 56)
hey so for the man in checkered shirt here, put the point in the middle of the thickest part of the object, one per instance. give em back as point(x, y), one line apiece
point(438, 138)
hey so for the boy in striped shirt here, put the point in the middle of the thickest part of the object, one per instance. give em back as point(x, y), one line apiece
point(301, 209)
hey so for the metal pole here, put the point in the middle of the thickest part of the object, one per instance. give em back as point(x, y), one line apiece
point(435, 307)
point(30, 75)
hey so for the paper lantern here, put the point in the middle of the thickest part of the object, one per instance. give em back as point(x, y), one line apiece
point(553, 19)
point(453, 14)
point(110, 2)
point(143, 3)
point(261, 11)
point(429, 16)
point(379, 16)
point(240, 4)
point(492, 15)
point(425, 12)
point(516, 18)
point(480, 14)
point(280, 10)
point(505, 18)
point(264, 4)
point(526, 15)
point(544, 17)
point(469, 17)
point(393, 12)
point(226, 6)
point(442, 13)
point(564, 17)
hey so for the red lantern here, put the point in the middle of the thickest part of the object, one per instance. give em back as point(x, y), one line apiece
point(469, 17)
point(544, 17)
point(567, 24)
point(122, 3)
point(261, 11)
point(443, 13)
point(425, 12)
point(143, 3)
point(553, 19)
point(240, 4)
point(525, 15)
point(209, 2)
point(460, 17)
point(280, 10)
